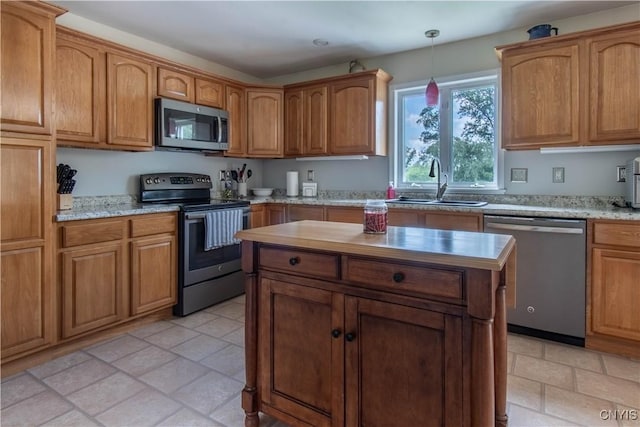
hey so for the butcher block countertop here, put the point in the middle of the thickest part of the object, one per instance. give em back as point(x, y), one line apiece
point(454, 248)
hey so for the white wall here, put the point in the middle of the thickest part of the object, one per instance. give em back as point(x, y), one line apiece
point(585, 174)
point(103, 173)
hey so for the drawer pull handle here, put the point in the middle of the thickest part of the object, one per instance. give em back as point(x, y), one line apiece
point(350, 336)
point(398, 277)
point(336, 333)
point(294, 260)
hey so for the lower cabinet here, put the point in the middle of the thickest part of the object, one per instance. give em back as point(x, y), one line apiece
point(317, 340)
point(256, 216)
point(114, 269)
point(613, 291)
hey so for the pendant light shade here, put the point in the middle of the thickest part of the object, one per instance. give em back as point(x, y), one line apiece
point(432, 93)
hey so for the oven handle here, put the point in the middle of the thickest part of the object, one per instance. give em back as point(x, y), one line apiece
point(189, 216)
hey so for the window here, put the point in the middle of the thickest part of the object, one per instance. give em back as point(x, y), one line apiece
point(460, 132)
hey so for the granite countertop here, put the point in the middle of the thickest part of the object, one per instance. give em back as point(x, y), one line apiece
point(455, 248)
point(127, 206)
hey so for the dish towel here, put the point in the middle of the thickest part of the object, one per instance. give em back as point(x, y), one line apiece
point(220, 226)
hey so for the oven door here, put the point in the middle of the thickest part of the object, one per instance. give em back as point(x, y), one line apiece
point(199, 265)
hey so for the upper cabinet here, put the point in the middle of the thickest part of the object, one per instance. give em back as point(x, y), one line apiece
point(237, 108)
point(175, 85)
point(104, 97)
point(264, 122)
point(614, 87)
point(358, 114)
point(342, 115)
point(210, 92)
point(28, 34)
point(571, 90)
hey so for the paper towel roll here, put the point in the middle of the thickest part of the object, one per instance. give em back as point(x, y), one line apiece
point(292, 184)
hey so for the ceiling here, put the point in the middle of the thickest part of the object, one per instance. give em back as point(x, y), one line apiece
point(271, 38)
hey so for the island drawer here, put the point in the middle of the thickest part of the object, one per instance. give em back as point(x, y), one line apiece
point(315, 264)
point(149, 225)
point(617, 234)
point(87, 232)
point(399, 277)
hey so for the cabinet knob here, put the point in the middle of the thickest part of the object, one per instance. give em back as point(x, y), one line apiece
point(294, 260)
point(336, 333)
point(350, 336)
point(398, 277)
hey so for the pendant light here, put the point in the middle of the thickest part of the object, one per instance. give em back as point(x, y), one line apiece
point(432, 93)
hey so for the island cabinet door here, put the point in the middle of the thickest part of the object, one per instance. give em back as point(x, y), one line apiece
point(302, 352)
point(403, 366)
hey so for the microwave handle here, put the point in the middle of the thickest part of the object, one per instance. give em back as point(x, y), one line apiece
point(219, 129)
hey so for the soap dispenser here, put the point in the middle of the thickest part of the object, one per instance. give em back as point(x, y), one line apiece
point(391, 192)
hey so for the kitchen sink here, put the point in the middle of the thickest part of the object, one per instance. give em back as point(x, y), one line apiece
point(409, 200)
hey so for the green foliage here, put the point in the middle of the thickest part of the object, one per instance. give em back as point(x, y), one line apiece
point(472, 150)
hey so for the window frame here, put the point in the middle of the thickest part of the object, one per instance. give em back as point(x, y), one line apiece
point(445, 84)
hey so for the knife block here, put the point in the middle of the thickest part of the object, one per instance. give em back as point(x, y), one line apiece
point(65, 202)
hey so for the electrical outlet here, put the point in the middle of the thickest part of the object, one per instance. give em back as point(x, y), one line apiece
point(519, 174)
point(558, 175)
point(621, 174)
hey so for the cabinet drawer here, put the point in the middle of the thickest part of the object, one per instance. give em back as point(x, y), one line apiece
point(616, 234)
point(296, 261)
point(146, 226)
point(399, 277)
point(93, 232)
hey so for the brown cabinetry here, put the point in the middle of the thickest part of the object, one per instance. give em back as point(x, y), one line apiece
point(614, 87)
point(210, 92)
point(104, 97)
point(613, 290)
point(257, 216)
point(300, 212)
point(26, 177)
point(175, 85)
point(237, 108)
point(306, 121)
point(571, 90)
point(358, 114)
point(275, 214)
point(264, 122)
point(28, 34)
point(114, 269)
point(336, 338)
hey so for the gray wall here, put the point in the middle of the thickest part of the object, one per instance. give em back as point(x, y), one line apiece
point(107, 173)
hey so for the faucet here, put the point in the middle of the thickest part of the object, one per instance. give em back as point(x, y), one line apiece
point(441, 188)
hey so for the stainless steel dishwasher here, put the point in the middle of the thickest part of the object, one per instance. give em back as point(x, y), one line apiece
point(550, 276)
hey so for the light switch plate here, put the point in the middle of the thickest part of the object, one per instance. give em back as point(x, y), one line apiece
point(621, 173)
point(519, 174)
point(558, 175)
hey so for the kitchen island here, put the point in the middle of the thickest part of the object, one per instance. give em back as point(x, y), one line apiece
point(349, 329)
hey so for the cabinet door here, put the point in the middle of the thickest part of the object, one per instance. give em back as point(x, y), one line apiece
point(92, 288)
point(153, 273)
point(416, 379)
point(412, 218)
point(302, 352)
point(236, 106)
point(27, 65)
point(293, 123)
point(264, 123)
point(80, 86)
point(299, 213)
point(541, 97)
point(130, 101)
point(353, 215)
point(614, 88)
point(315, 120)
point(276, 214)
point(352, 120)
point(210, 92)
point(453, 221)
point(615, 292)
point(256, 216)
point(26, 208)
point(175, 85)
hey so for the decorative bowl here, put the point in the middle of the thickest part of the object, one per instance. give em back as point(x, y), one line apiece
point(262, 192)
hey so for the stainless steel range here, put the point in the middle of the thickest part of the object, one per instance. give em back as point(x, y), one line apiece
point(209, 269)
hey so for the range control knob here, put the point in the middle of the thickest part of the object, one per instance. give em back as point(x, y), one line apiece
point(156, 180)
point(148, 181)
point(197, 179)
point(531, 309)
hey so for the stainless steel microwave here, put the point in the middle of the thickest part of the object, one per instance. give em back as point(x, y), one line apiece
point(185, 126)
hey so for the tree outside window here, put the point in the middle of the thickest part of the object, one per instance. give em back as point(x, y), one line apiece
point(460, 131)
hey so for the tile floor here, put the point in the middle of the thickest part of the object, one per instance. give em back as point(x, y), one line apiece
point(189, 372)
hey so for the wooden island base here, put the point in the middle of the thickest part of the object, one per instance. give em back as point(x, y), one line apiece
point(349, 329)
